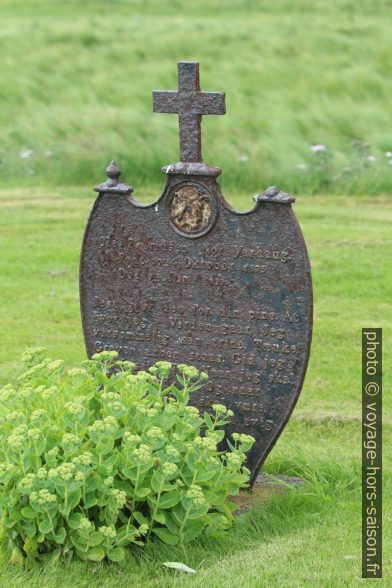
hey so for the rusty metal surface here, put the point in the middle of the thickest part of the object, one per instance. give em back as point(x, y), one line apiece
point(235, 301)
point(189, 280)
point(190, 103)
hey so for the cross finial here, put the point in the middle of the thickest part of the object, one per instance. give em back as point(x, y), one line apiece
point(190, 103)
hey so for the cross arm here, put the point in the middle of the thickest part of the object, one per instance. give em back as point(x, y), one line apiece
point(165, 101)
point(211, 103)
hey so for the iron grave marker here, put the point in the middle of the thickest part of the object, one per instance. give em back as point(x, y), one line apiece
point(190, 280)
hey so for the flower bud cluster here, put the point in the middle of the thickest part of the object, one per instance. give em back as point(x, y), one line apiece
point(80, 477)
point(105, 355)
point(208, 443)
point(65, 471)
point(70, 439)
point(103, 426)
point(120, 497)
point(74, 408)
point(188, 371)
point(74, 372)
point(33, 355)
point(43, 497)
point(16, 442)
point(7, 392)
point(42, 473)
point(56, 365)
point(110, 396)
point(48, 393)
point(164, 368)
point(53, 453)
point(108, 532)
point(34, 434)
point(142, 454)
point(155, 433)
point(84, 458)
point(37, 414)
point(171, 451)
point(234, 460)
point(5, 468)
point(85, 524)
point(243, 438)
point(115, 406)
point(129, 438)
point(192, 411)
point(195, 494)
point(27, 482)
point(169, 469)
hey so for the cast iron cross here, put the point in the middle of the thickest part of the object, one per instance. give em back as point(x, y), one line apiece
point(189, 103)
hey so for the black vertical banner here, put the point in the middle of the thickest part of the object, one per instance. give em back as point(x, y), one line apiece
point(371, 453)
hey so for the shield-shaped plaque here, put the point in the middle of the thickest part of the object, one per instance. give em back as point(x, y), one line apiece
point(190, 280)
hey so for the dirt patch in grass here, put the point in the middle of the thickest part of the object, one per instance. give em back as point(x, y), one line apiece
point(264, 487)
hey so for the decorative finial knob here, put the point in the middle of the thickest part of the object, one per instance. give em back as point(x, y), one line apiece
point(112, 184)
point(112, 172)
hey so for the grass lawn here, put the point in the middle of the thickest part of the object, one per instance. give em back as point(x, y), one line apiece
point(76, 80)
point(306, 537)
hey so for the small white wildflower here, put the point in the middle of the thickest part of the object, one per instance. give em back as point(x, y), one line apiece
point(318, 148)
point(371, 158)
point(26, 154)
point(388, 154)
point(301, 166)
point(243, 158)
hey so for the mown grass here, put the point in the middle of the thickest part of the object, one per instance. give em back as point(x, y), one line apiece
point(307, 536)
point(76, 80)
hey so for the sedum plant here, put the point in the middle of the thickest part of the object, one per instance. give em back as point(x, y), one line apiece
point(98, 457)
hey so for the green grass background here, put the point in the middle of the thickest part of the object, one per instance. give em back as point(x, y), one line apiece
point(76, 80)
point(75, 89)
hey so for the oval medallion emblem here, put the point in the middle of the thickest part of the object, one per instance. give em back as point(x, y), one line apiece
point(192, 209)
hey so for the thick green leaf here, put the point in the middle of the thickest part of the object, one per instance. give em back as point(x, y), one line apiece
point(193, 529)
point(116, 554)
point(157, 481)
point(92, 483)
point(29, 528)
point(28, 512)
point(64, 510)
point(143, 492)
point(170, 499)
point(74, 498)
point(160, 517)
point(197, 511)
point(165, 536)
point(90, 501)
point(171, 523)
point(95, 554)
point(74, 520)
point(60, 535)
point(140, 518)
point(95, 538)
point(45, 527)
point(130, 473)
